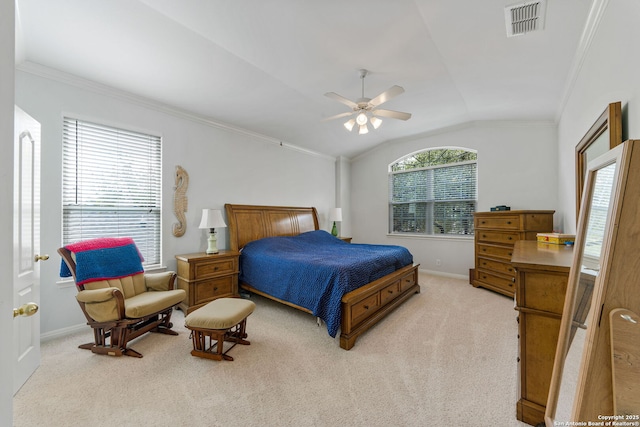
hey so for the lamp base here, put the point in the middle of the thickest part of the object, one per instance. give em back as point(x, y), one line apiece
point(334, 230)
point(212, 242)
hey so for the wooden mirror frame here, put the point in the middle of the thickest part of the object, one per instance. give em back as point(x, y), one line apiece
point(611, 120)
point(620, 156)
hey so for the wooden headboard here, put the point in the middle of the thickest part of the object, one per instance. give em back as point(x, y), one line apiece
point(250, 222)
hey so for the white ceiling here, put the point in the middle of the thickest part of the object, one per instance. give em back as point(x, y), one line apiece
point(264, 66)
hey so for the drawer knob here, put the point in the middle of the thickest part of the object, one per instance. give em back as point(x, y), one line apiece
point(366, 307)
point(509, 222)
point(216, 268)
point(510, 238)
point(215, 289)
point(390, 291)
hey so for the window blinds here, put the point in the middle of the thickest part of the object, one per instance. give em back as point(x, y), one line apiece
point(434, 200)
point(111, 185)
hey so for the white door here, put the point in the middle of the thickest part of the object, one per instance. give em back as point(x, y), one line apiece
point(26, 247)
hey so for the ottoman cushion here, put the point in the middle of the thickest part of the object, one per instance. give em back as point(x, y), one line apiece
point(222, 313)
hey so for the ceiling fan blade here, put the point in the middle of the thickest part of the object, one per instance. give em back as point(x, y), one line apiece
point(392, 114)
point(342, 99)
point(337, 116)
point(386, 95)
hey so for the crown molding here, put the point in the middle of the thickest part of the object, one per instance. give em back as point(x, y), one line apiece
point(105, 90)
point(598, 8)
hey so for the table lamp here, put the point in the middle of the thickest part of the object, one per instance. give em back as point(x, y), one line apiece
point(335, 215)
point(212, 219)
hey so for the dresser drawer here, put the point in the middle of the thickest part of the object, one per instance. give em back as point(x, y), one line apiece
point(504, 237)
point(495, 265)
point(213, 268)
point(537, 222)
point(365, 307)
point(542, 290)
point(503, 222)
point(496, 281)
point(494, 251)
point(390, 292)
point(208, 290)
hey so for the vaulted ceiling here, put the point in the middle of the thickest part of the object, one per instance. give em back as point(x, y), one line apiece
point(265, 66)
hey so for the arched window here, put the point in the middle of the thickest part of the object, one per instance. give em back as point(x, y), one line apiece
point(433, 192)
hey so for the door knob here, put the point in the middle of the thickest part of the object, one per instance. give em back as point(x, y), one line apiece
point(41, 258)
point(28, 309)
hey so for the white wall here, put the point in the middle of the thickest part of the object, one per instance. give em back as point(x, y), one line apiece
point(609, 73)
point(7, 31)
point(224, 166)
point(516, 167)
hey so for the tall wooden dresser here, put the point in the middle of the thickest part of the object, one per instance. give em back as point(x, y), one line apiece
point(541, 285)
point(495, 234)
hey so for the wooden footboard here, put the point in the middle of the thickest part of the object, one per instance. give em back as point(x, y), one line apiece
point(366, 306)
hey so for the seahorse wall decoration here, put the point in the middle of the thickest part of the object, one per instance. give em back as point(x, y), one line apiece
point(180, 201)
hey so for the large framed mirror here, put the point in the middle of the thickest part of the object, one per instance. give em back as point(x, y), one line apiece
point(605, 134)
point(583, 297)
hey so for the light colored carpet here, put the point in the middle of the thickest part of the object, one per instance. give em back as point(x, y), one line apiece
point(447, 357)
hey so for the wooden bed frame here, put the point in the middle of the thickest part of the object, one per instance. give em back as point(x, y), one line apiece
point(361, 308)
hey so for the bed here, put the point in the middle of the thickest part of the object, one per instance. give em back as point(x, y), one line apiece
point(359, 309)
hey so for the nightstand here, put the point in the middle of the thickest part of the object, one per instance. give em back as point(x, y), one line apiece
point(345, 239)
point(207, 277)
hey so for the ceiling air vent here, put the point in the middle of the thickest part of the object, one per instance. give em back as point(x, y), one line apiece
point(525, 17)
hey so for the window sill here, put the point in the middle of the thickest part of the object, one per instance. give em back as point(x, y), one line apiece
point(449, 238)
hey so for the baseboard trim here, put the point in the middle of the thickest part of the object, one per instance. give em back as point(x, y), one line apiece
point(444, 274)
point(59, 333)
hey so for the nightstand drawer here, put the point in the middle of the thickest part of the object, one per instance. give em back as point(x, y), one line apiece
point(214, 268)
point(208, 290)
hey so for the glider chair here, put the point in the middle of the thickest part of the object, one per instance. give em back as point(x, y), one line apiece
point(119, 300)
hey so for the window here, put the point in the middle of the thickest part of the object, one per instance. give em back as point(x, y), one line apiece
point(433, 192)
point(111, 185)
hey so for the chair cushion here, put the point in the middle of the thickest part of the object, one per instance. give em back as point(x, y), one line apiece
point(222, 313)
point(151, 302)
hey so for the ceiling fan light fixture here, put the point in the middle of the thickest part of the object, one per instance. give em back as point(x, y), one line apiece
point(349, 124)
point(365, 110)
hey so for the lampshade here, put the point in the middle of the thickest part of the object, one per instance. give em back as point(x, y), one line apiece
point(363, 129)
point(376, 122)
point(349, 124)
point(335, 214)
point(212, 218)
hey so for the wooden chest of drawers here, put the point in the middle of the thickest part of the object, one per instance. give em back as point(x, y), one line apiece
point(495, 235)
point(207, 277)
point(541, 284)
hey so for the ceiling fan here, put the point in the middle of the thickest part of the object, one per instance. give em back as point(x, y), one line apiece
point(365, 109)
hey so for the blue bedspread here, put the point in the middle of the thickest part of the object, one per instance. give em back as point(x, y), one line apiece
point(315, 269)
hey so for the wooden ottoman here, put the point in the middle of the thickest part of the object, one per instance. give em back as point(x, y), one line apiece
point(223, 319)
